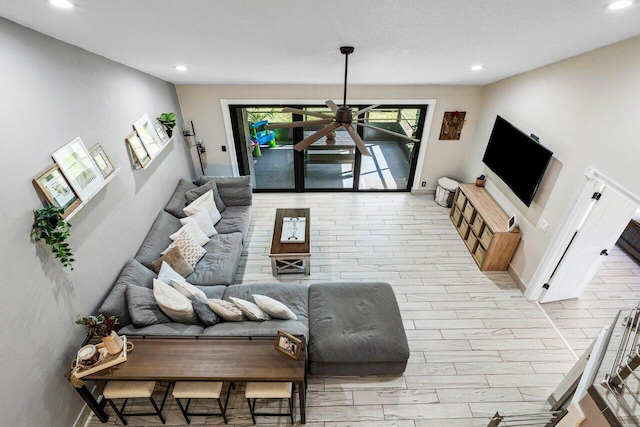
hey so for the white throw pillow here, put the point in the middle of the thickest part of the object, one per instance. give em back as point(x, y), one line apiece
point(172, 303)
point(203, 220)
point(204, 202)
point(187, 289)
point(249, 309)
point(226, 310)
point(167, 274)
point(189, 248)
point(194, 230)
point(274, 308)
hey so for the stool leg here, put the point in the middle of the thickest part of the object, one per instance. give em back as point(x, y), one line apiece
point(291, 409)
point(253, 418)
point(153, 402)
point(222, 411)
point(184, 412)
point(118, 413)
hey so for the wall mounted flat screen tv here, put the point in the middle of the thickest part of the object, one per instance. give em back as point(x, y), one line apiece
point(517, 159)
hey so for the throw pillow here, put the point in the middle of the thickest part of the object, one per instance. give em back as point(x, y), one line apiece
point(203, 220)
point(176, 261)
point(206, 203)
point(226, 310)
point(143, 308)
point(174, 304)
point(249, 309)
point(274, 308)
point(191, 195)
point(189, 248)
point(193, 230)
point(204, 312)
point(167, 274)
point(187, 289)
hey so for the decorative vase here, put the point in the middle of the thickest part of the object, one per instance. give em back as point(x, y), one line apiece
point(113, 343)
point(169, 132)
point(480, 182)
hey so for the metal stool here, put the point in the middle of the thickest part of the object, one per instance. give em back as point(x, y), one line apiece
point(263, 390)
point(131, 390)
point(200, 390)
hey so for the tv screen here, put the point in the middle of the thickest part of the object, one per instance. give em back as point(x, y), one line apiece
point(517, 159)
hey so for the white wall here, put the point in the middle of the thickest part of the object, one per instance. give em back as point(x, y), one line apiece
point(51, 93)
point(586, 109)
point(201, 103)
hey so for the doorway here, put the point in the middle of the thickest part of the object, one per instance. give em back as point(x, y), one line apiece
point(330, 164)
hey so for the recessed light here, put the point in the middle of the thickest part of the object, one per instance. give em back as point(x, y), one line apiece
point(619, 4)
point(477, 67)
point(65, 4)
point(181, 68)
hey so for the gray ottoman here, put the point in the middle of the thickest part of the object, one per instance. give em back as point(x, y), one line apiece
point(355, 329)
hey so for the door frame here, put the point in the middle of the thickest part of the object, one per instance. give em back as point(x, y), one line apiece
point(578, 211)
point(225, 103)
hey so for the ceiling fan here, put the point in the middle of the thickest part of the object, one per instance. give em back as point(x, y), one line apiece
point(343, 116)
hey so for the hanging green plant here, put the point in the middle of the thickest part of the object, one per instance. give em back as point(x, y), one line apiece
point(49, 226)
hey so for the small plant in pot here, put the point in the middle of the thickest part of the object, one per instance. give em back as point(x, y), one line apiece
point(168, 120)
point(49, 226)
point(102, 327)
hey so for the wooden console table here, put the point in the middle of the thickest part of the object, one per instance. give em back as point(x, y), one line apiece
point(235, 359)
point(290, 257)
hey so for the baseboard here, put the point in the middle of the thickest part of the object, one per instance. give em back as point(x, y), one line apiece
point(519, 283)
point(423, 191)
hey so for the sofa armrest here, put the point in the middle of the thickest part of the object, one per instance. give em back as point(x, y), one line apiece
point(234, 190)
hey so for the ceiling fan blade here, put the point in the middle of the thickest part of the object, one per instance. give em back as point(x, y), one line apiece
point(399, 135)
point(297, 124)
point(306, 113)
point(332, 105)
point(356, 138)
point(364, 110)
point(316, 136)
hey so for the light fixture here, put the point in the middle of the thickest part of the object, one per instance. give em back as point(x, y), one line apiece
point(65, 4)
point(477, 67)
point(181, 67)
point(621, 4)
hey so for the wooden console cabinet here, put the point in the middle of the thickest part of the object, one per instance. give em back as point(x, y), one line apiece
point(482, 224)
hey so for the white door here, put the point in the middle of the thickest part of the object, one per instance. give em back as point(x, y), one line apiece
point(600, 229)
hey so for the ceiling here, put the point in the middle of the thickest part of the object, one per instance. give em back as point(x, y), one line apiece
point(297, 41)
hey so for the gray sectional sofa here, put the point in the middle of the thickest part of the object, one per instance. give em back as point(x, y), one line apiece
point(351, 328)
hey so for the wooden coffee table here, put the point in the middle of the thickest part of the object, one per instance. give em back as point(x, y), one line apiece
point(238, 359)
point(290, 257)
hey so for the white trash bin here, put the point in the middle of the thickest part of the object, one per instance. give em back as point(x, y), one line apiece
point(445, 191)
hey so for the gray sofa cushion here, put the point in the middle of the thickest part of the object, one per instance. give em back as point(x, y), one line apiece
point(143, 308)
point(206, 316)
point(355, 323)
point(163, 329)
point(268, 328)
point(115, 304)
point(235, 219)
point(219, 265)
point(178, 201)
point(292, 295)
point(157, 239)
point(191, 195)
point(234, 190)
point(216, 292)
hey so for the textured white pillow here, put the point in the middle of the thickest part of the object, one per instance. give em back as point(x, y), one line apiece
point(204, 202)
point(249, 309)
point(194, 230)
point(189, 248)
point(226, 310)
point(274, 308)
point(187, 289)
point(172, 303)
point(167, 274)
point(203, 220)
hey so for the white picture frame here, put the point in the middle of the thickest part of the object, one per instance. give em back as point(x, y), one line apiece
point(78, 167)
point(148, 135)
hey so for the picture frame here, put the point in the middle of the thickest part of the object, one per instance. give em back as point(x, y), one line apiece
point(161, 131)
point(102, 160)
point(452, 124)
point(79, 169)
point(288, 344)
point(148, 135)
point(139, 152)
point(57, 190)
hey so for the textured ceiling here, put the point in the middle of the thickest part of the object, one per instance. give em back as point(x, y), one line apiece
point(297, 41)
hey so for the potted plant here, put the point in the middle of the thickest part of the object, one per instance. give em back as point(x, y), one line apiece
point(168, 120)
point(101, 327)
point(49, 226)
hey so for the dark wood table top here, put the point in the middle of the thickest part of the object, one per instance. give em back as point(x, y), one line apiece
point(279, 248)
point(205, 359)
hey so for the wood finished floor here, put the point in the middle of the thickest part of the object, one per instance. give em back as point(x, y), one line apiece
point(477, 346)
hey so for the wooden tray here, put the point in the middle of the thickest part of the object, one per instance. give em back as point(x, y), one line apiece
point(108, 361)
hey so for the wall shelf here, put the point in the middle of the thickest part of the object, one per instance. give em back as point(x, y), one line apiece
point(137, 165)
point(107, 180)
